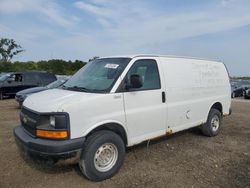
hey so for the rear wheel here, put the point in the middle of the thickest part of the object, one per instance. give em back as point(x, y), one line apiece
point(102, 156)
point(213, 124)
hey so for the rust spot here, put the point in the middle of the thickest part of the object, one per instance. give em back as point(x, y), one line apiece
point(169, 131)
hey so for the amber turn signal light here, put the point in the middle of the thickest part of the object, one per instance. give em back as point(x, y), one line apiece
point(52, 134)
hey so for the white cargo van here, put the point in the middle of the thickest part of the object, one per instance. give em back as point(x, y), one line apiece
point(116, 102)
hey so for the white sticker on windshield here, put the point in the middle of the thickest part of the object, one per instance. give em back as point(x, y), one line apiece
point(111, 66)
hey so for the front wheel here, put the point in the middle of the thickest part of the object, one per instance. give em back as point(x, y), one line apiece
point(102, 156)
point(246, 97)
point(1, 95)
point(233, 95)
point(213, 124)
point(243, 93)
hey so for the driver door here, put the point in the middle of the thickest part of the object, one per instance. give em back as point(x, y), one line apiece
point(145, 109)
point(13, 84)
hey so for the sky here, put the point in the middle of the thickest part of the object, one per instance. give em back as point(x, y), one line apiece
point(81, 29)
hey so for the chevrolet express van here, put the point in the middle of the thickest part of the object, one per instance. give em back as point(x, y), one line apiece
point(117, 102)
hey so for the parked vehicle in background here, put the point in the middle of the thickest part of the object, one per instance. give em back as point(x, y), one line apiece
point(117, 102)
point(3, 76)
point(12, 83)
point(240, 91)
point(247, 94)
point(3, 73)
point(244, 82)
point(22, 95)
point(234, 85)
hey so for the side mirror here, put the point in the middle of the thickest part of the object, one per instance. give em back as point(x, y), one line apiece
point(135, 81)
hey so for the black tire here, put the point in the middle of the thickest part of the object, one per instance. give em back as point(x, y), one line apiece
point(209, 128)
point(93, 143)
point(233, 95)
point(1, 95)
point(243, 93)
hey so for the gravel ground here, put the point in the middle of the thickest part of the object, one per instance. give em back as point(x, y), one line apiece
point(185, 159)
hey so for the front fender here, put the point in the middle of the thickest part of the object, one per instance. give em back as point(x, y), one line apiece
point(91, 128)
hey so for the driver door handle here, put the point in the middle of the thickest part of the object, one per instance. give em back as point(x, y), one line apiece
point(163, 96)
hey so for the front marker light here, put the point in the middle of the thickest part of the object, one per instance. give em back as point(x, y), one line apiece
point(52, 121)
point(52, 134)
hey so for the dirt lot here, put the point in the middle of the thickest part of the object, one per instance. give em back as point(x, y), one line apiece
point(186, 159)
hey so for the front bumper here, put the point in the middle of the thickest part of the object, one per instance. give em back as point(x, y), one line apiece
point(56, 149)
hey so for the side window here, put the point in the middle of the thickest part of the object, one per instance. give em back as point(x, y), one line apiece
point(46, 77)
point(148, 70)
point(17, 77)
point(30, 78)
point(35, 77)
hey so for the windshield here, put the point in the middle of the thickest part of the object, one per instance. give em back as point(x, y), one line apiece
point(56, 84)
point(4, 77)
point(98, 75)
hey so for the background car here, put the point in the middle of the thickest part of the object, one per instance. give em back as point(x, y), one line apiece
point(22, 95)
point(2, 73)
point(240, 91)
point(247, 94)
point(12, 83)
point(3, 76)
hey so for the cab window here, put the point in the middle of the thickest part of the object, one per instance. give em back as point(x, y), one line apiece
point(148, 71)
point(16, 78)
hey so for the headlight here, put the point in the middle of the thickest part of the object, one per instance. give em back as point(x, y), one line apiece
point(52, 121)
point(54, 126)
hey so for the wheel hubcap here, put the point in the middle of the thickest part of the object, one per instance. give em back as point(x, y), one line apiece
point(215, 122)
point(105, 157)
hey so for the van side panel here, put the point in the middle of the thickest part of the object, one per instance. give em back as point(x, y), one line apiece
point(192, 87)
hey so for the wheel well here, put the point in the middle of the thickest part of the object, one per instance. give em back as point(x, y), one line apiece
point(115, 127)
point(218, 106)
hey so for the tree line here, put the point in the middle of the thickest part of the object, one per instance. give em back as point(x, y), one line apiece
point(56, 66)
point(9, 48)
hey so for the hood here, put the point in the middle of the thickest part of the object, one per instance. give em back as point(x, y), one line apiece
point(31, 90)
point(56, 100)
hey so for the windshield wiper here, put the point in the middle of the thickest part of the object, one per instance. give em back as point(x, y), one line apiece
point(76, 88)
point(64, 87)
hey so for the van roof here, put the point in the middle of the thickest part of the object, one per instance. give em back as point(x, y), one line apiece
point(157, 55)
